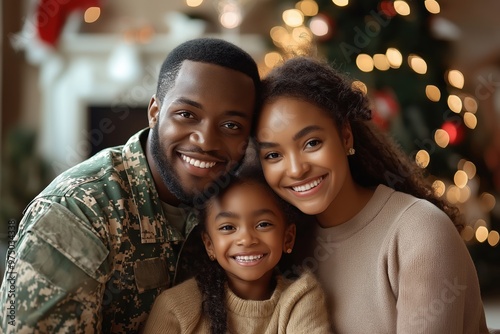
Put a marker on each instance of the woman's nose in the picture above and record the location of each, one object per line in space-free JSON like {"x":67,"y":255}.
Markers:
{"x":296,"y":167}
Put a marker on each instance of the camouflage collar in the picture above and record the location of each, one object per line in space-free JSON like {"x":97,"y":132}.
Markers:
{"x":153,"y":224}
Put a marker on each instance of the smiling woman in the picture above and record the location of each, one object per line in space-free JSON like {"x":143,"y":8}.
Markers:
{"x":384,"y":247}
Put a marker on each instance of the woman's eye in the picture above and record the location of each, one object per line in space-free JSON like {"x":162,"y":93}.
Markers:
{"x":272,"y":155}
{"x":313,"y":143}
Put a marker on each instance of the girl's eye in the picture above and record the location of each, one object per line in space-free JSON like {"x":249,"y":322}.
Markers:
{"x":264,"y":225}
{"x":226,"y":228}
{"x":313,"y":143}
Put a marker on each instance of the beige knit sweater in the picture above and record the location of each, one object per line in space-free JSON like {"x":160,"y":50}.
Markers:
{"x":399,"y":266}
{"x":295,"y":307}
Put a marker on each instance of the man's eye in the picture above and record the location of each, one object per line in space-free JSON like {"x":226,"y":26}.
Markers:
{"x":231,"y":126}
{"x":186,"y":114}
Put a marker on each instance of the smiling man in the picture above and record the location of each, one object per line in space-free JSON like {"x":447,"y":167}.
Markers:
{"x":97,"y":246}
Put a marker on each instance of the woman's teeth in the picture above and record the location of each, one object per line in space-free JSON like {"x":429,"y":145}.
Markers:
{"x":308,"y":186}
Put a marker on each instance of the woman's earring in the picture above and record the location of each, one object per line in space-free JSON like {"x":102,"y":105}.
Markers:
{"x":289,"y":250}
{"x":351,"y":151}
{"x":211,"y":256}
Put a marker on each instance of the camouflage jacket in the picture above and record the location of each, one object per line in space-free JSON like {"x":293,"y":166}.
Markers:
{"x":93,"y":250}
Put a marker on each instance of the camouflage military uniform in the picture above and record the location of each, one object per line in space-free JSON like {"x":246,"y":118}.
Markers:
{"x":93,"y":250}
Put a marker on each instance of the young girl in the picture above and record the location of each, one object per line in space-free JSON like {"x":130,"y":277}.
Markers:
{"x":245,"y":230}
{"x":385,"y":249}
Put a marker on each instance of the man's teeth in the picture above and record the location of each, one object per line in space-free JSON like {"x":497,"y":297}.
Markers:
{"x":248,"y":258}
{"x":308,"y":186}
{"x":198,"y":163}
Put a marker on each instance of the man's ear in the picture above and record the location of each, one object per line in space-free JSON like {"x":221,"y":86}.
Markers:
{"x":289,"y":240}
{"x":153,"y":111}
{"x":209,"y":246}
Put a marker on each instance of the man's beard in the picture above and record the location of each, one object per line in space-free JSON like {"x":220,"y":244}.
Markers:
{"x":166,"y":170}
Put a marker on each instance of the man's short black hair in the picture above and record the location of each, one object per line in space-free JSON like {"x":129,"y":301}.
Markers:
{"x":206,"y":50}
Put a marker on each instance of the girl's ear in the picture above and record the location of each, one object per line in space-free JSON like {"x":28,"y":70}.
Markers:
{"x":153,"y":111}
{"x":289,"y":239}
{"x":209,"y":246}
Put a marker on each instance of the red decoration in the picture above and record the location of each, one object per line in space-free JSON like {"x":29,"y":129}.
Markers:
{"x":455,"y":132}
{"x":385,"y":108}
{"x":387,"y":8}
{"x":51,"y":16}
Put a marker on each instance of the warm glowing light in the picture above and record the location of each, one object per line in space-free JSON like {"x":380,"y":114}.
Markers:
{"x":467,"y":233}
{"x":470,"y":120}
{"x":394,"y":57}
{"x":453,"y":194}
{"x":92,"y":14}
{"x":488,"y":201}
{"x":272,"y":59}
{"x":482,"y":234}
{"x":293,"y":17}
{"x":278,"y":33}
{"x":381,"y":62}
{"x":456,"y":79}
{"x":402,"y":7}
{"x":442,"y":138}
{"x":479,"y":223}
{"x":341,"y":3}
{"x":360,"y":86}
{"x":464,"y":194}
{"x":432,"y":6}
{"x":433,"y":93}
{"x":319,"y":26}
{"x":194,"y":3}
{"x":470,"y":104}
{"x":417,"y":64}
{"x":439,"y":188}
{"x":422,"y":158}
{"x":231,"y":16}
{"x":460,"y":179}
{"x":493,"y":238}
{"x":308,"y":7}
{"x":470,"y":169}
{"x":454,"y":103}
{"x":364,"y":62}
{"x":302,"y":35}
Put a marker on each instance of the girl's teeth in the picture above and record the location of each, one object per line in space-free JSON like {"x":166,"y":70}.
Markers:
{"x":308,"y":186}
{"x":248,"y":258}
{"x":197,"y":163}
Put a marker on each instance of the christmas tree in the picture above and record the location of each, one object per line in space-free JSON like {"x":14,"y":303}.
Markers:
{"x":390,"y":48}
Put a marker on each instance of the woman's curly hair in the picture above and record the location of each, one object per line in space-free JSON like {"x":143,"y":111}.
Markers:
{"x":378,"y":159}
